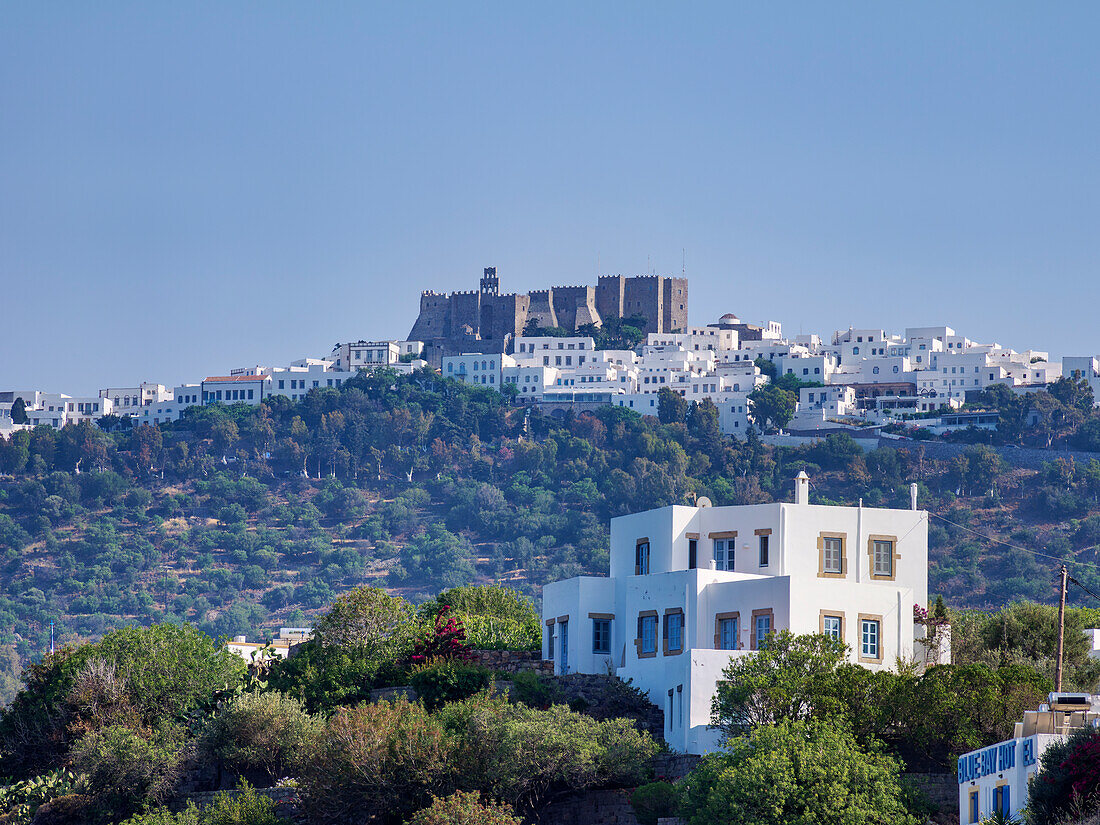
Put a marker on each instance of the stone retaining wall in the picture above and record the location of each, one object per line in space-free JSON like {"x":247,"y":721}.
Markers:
{"x":942,"y":789}
{"x":514,"y":661}
{"x":673,"y":766}
{"x":391,"y":694}
{"x":285,"y":799}
{"x":591,"y":808}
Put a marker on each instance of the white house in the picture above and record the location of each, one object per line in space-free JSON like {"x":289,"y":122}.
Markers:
{"x":995,"y":779}
{"x":478,"y":368}
{"x":369,"y":355}
{"x":691,"y":588}
{"x":130,"y":400}
{"x":280,"y":647}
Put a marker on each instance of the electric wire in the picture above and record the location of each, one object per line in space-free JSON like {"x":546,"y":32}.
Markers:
{"x":1058,"y":559}
{"x":1070,"y":578}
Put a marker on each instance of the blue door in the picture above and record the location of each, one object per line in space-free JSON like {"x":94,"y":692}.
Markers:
{"x":563,"y":648}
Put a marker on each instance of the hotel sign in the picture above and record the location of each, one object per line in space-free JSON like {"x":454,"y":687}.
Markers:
{"x":994,"y":759}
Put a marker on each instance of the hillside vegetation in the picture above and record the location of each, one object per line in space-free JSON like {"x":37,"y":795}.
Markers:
{"x":240,"y":519}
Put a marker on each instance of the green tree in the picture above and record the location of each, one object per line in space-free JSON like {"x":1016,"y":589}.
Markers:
{"x":672,"y":408}
{"x":19,"y":411}
{"x":772,"y":406}
{"x":1073,"y":392}
{"x":369,"y":619}
{"x":791,"y":677}
{"x":766,"y":367}
{"x":807,"y":772}
{"x":495,"y":618}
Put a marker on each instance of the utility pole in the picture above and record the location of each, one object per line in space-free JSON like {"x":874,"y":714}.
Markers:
{"x":1061,"y":629}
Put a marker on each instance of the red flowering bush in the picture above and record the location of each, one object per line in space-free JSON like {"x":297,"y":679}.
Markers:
{"x":1069,"y":782}
{"x":447,"y":641}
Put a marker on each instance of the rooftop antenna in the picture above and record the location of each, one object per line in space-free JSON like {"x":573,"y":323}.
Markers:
{"x":683,"y":262}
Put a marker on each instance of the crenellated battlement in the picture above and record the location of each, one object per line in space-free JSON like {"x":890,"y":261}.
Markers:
{"x":448,"y":320}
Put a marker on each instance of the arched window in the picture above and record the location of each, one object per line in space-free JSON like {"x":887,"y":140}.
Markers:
{"x":855,"y":350}
{"x":875,"y":370}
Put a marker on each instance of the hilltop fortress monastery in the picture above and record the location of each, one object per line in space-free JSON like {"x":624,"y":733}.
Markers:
{"x":485,"y":320}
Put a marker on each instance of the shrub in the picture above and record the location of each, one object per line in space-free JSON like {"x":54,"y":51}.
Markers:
{"x":246,"y":807}
{"x":446,"y":640}
{"x":19,"y":801}
{"x":1068,"y":782}
{"x":124,"y":770}
{"x":326,"y":677}
{"x":519,"y":754}
{"x":795,"y":771}
{"x":168,"y":669}
{"x":383,"y":760}
{"x":265,"y":732}
{"x":534,"y":691}
{"x":445,"y":681}
{"x":655,"y":800}
{"x":163,"y":816}
{"x":461,"y":808}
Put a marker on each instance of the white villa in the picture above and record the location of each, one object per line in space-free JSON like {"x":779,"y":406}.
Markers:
{"x":690,"y":588}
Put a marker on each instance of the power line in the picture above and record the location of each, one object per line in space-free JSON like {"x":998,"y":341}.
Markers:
{"x":1084,"y":588}
{"x":1015,"y":546}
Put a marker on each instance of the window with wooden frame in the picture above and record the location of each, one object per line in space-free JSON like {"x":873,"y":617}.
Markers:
{"x":831,"y":624}
{"x":832,"y":562}
{"x":693,"y":550}
{"x":882,"y":557}
{"x":601,"y":632}
{"x":672,"y":633}
{"x":727,"y":631}
{"x":1002,"y":799}
{"x":763,"y":624}
{"x":870,"y":638}
{"x":725,"y":547}
{"x":641,"y":557}
{"x":764,"y":539}
{"x":646,"y":641}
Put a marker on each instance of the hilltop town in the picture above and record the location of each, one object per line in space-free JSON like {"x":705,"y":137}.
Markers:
{"x":620,"y":343}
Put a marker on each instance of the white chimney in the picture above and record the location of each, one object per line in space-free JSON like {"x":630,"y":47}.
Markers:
{"x":802,"y":488}
{"x":913,"y":496}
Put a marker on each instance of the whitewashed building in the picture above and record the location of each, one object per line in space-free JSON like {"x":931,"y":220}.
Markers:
{"x":486,"y":370}
{"x":368,"y":355}
{"x":995,"y":779}
{"x":691,"y":588}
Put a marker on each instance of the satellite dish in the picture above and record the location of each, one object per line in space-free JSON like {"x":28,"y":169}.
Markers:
{"x":703,"y":501}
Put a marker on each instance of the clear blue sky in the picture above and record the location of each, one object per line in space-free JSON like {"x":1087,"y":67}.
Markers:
{"x":186,"y":188}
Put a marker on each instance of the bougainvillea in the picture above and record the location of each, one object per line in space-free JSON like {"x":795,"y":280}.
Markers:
{"x":446,"y":643}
